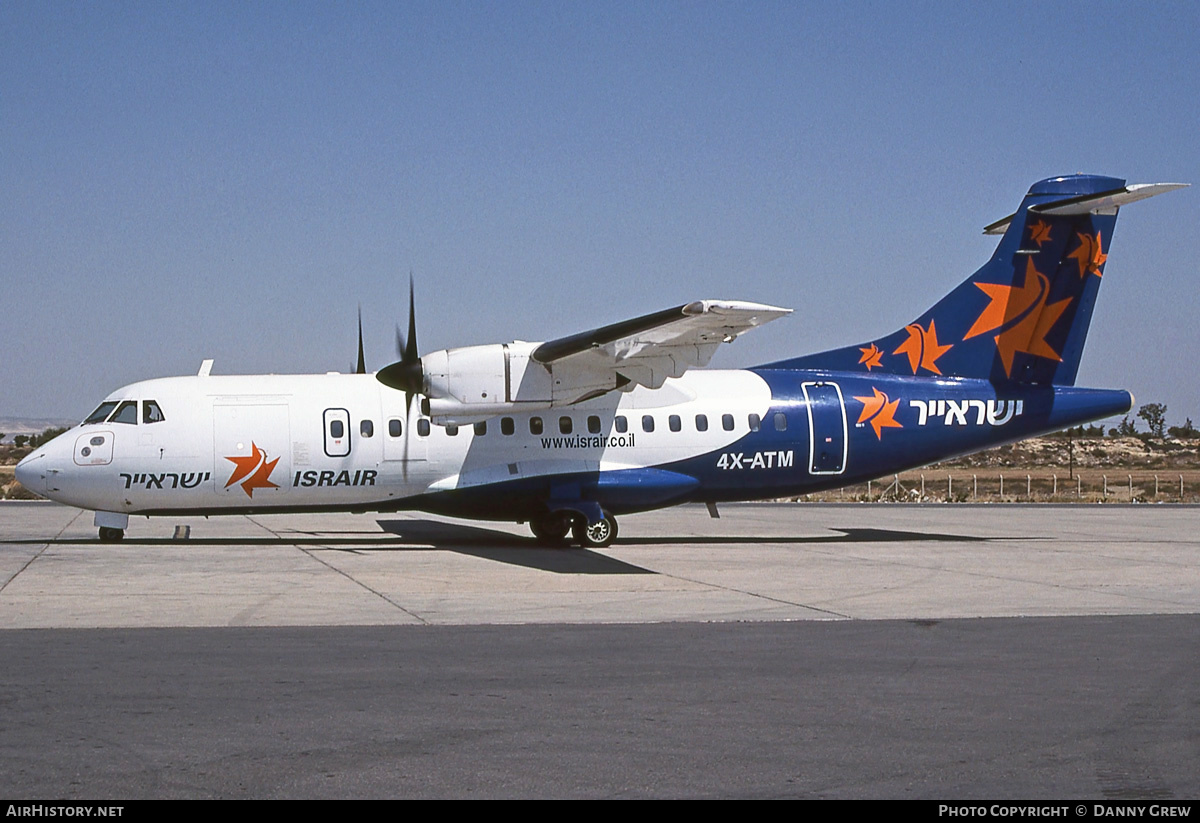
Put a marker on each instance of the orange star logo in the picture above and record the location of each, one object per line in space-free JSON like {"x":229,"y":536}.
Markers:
{"x":1021,"y":314}
{"x":254,"y":471}
{"x":922,"y":347}
{"x":872,"y":356}
{"x":1090,"y":255}
{"x":1039,"y":232}
{"x":879,"y":411}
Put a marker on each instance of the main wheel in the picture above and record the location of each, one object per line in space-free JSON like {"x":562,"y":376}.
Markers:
{"x":551,"y":528}
{"x":110,"y":535}
{"x":598,"y":535}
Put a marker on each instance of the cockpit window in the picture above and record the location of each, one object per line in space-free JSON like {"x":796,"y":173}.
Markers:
{"x":102,"y":412}
{"x":125,"y":413}
{"x":151,"y":413}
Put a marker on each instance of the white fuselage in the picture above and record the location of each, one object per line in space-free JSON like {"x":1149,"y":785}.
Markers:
{"x":345,"y":441}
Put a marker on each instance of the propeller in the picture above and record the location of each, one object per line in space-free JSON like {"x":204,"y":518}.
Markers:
{"x":407,"y":374}
{"x":362,"y":361}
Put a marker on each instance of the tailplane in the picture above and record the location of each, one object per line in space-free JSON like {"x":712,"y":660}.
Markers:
{"x":1023,"y":317}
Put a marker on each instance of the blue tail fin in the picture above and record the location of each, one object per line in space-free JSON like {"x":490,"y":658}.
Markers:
{"x":1023,"y":317}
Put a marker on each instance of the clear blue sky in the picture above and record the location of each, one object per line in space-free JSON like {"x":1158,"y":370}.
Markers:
{"x":230,"y":180}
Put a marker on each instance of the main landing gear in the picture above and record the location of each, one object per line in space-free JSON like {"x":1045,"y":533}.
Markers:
{"x":551,"y":530}
{"x":110,"y":535}
{"x":598,"y":535}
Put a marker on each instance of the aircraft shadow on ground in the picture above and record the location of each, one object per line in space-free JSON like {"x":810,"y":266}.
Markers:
{"x":843,"y":536}
{"x":516,"y":550}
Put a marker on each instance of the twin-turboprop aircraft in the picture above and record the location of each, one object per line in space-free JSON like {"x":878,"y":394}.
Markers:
{"x":568,"y":434}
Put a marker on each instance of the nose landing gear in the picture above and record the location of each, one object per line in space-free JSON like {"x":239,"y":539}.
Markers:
{"x":112,"y":526}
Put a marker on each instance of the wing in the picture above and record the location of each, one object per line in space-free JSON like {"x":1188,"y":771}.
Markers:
{"x":646,"y":350}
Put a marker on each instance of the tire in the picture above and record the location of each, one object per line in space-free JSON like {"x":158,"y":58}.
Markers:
{"x":551,"y":529}
{"x":110,"y":535}
{"x":598,"y":535}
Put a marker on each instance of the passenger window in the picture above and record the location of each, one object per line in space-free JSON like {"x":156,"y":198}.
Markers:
{"x":506,"y":426}
{"x":647,"y":423}
{"x":366,"y":428}
{"x":675,"y":423}
{"x":727,"y":422}
{"x":535,"y":425}
{"x":701,"y":423}
{"x":621,"y":423}
{"x":755,"y":422}
{"x":451,"y":430}
{"x":336,"y":429}
{"x":481,"y":428}
{"x":126,"y":413}
{"x":564,"y":425}
{"x":423,"y":426}
{"x":394,"y":428}
{"x":151,"y":413}
{"x":593,"y":424}
{"x":102,"y":412}
{"x":780,"y":422}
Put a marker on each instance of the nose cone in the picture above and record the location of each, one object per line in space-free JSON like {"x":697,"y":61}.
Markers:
{"x":27,"y":473}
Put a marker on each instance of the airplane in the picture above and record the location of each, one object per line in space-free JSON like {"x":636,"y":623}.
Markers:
{"x":568,"y":434}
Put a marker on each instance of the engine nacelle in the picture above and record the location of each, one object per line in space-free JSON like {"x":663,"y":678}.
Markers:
{"x":476,"y":382}
{"x":473,"y":375}
{"x":473,"y":383}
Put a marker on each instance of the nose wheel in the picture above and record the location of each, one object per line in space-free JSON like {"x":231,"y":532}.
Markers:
{"x":110,"y":535}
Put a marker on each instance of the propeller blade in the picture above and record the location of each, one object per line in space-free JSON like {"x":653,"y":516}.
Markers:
{"x":410,"y":350}
{"x":362,"y":362}
{"x":410,"y":356}
{"x":407,"y":435}
{"x":407,"y":374}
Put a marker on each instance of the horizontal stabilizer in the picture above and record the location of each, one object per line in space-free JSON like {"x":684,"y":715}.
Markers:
{"x":1102,"y":203}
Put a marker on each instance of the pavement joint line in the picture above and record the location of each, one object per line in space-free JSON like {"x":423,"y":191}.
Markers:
{"x":41,"y":551}
{"x":264,"y":527}
{"x":758,"y":596}
{"x":310,"y":552}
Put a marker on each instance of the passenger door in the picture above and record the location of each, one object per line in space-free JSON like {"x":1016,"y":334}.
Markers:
{"x":826,"y":428}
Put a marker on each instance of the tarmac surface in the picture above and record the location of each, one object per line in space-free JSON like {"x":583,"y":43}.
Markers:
{"x":935,"y":651}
